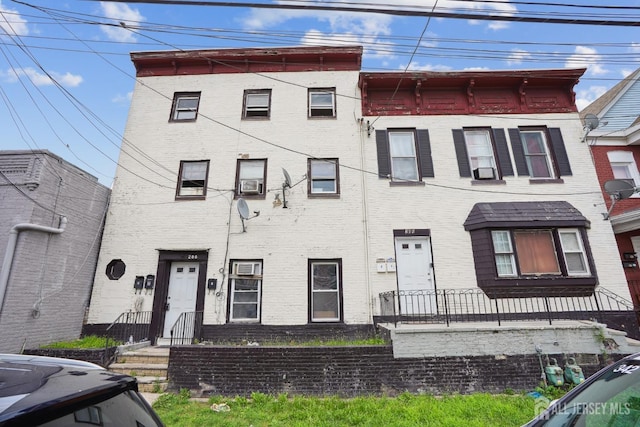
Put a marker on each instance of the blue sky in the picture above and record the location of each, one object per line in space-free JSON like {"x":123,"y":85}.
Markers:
{"x":66,"y":77}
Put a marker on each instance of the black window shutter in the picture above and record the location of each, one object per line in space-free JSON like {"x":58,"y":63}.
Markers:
{"x":382,"y":146}
{"x":506,"y":168}
{"x":518,"y":152}
{"x":557,"y":144}
{"x":461,"y":153}
{"x":424,"y":149}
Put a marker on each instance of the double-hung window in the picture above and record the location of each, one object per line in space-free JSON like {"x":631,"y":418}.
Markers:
{"x":402,"y":149}
{"x":325,"y":290}
{"x":537,"y":154}
{"x":539,"y":252}
{"x":192,"y":179}
{"x":324,"y":178}
{"x":246,"y":291}
{"x":251,"y":178}
{"x":404,"y":155}
{"x":185,"y":106}
{"x":257,"y":104}
{"x":322,"y":102}
{"x":482,"y":154}
{"x":623,"y":166}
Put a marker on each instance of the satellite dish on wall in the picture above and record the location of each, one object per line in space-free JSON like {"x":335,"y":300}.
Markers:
{"x":591,"y":121}
{"x":243,"y":209}
{"x":286,"y":184}
{"x":618,"y":189}
{"x":287,"y":178}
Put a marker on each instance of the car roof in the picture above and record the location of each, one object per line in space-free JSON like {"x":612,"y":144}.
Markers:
{"x":48,"y":384}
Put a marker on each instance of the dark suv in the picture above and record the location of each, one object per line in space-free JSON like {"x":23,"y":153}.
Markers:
{"x":52,"y":392}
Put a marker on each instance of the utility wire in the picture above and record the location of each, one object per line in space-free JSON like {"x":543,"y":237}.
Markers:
{"x":549,"y":19}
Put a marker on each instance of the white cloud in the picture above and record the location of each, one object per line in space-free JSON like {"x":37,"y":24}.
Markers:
{"x":586,"y":57}
{"x":121,"y":13}
{"x":586,"y":96}
{"x":415,"y":66}
{"x":120,"y":98}
{"x":11,"y":22}
{"x":517,"y":56}
{"x":41,"y":79}
{"x":372,"y":23}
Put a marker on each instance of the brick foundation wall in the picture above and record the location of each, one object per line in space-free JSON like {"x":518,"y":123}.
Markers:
{"x":350,"y":371}
{"x":96,"y":356}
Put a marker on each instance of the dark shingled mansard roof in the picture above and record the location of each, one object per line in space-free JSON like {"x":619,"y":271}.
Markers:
{"x":524,"y":214}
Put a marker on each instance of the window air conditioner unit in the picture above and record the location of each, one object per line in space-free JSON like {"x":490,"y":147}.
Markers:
{"x":250,"y":186}
{"x":247,"y":269}
{"x":484,"y":173}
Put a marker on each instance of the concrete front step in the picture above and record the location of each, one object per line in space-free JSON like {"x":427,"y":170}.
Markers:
{"x":147,"y":384}
{"x":141,"y":369}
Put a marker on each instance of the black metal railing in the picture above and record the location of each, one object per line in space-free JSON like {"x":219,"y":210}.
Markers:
{"x":447,"y":306}
{"x":187,"y":329}
{"x":129,"y":327}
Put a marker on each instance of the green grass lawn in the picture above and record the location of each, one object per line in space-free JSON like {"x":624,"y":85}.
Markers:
{"x":477,"y":410}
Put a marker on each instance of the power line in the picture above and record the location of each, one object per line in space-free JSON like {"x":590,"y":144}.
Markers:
{"x":549,"y":19}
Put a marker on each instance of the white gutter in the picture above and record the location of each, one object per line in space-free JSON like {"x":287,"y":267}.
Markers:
{"x":11,"y":248}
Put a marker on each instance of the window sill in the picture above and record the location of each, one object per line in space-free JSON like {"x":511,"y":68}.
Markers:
{"x":250,"y":196}
{"x":182,"y":121}
{"x":257,"y":118}
{"x":406,"y":184}
{"x":323,"y":196}
{"x":546,"y":181}
{"x":488,"y":182}
{"x":321,"y":117}
{"x":184,"y":198}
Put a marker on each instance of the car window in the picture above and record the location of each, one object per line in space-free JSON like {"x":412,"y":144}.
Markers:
{"x":125,"y":409}
{"x":611,"y":401}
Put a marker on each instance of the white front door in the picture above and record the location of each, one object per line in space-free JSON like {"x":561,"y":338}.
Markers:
{"x":414,"y":270}
{"x":183,"y":287}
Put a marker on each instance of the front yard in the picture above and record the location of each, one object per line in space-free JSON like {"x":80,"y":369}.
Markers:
{"x":477,"y":410}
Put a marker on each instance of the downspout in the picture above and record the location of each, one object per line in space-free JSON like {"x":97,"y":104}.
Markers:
{"x":11,"y":248}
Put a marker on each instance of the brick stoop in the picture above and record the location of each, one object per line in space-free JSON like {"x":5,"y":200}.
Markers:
{"x":149,"y":365}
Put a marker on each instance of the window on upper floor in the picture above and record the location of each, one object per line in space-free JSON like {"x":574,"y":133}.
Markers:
{"x":325,"y":290}
{"x":192,"y":179}
{"x":257,"y":104}
{"x":185,"y":106}
{"x":404,"y":155}
{"x":540,"y":153}
{"x":623,"y":166}
{"x":482,"y":153}
{"x":322,"y":102}
{"x":324,"y":179}
{"x":251,"y":178}
{"x":245,"y":296}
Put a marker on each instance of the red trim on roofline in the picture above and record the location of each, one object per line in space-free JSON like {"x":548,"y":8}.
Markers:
{"x":247,"y":60}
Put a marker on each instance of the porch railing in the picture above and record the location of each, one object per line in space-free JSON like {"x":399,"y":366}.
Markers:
{"x":187,"y":329}
{"x":447,"y":306}
{"x":130,"y":326}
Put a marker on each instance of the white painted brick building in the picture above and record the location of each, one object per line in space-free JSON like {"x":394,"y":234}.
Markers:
{"x":380,"y":197}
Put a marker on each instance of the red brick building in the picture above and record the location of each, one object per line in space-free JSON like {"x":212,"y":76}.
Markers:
{"x":612,"y":130}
